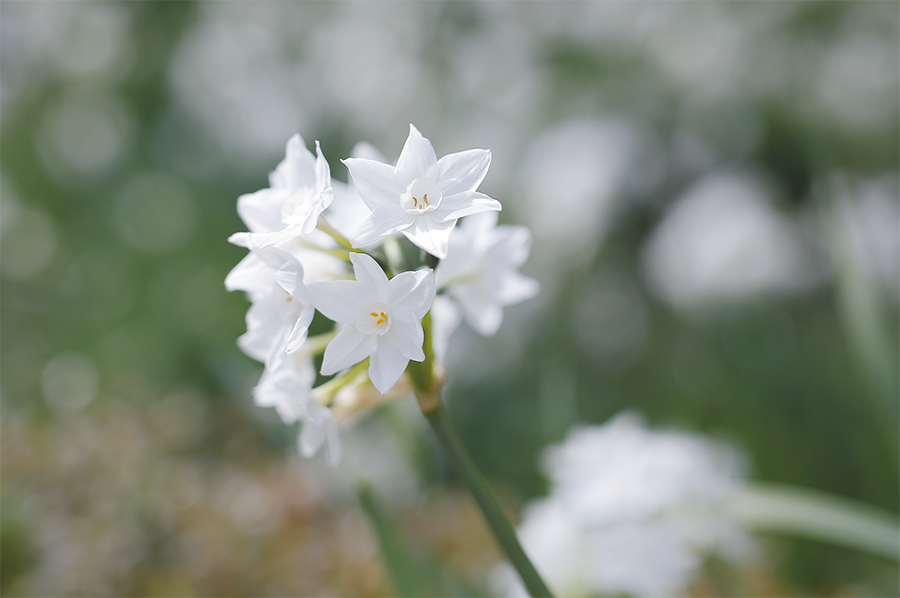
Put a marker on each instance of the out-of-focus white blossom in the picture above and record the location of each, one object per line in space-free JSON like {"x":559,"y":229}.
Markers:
{"x":481,"y":270}
{"x":631,"y":511}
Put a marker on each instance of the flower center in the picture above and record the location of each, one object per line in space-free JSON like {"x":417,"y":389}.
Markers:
{"x":374,"y":318}
{"x":421,"y":196}
{"x":298,"y":205}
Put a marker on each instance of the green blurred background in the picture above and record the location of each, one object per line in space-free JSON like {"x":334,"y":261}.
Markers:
{"x":713,"y":191}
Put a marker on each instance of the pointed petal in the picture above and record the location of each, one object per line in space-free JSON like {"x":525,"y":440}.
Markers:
{"x":462,"y":171}
{"x":374,"y":281}
{"x":374,"y":181}
{"x":407,"y":336}
{"x":412,"y":292}
{"x":348,"y":347}
{"x":430,"y":235}
{"x":516,"y":288}
{"x":417,"y":159}
{"x":323,"y":171}
{"x":456,"y":206}
{"x":384,"y":220}
{"x":338,"y":300}
{"x":299,"y":165}
{"x":386,"y":366}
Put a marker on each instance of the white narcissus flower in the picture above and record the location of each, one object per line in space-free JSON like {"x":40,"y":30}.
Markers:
{"x":481,"y":270}
{"x":279,"y":317}
{"x":381,"y":319}
{"x":299,"y":191}
{"x":422,"y":197}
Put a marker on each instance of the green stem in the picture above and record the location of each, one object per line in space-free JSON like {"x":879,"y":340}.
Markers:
{"x":493,"y":514}
{"x":427,"y":389}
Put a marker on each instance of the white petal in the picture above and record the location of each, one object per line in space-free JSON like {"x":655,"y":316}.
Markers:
{"x":348,"y":347}
{"x":333,"y":441}
{"x":374,"y":181}
{"x":298,"y":333}
{"x":261,"y":211}
{"x":384,"y":220}
{"x":417,"y":159}
{"x":412,"y":292}
{"x":407,"y":337}
{"x":250,"y":275}
{"x":484,"y":318}
{"x":467,"y":203}
{"x":299,"y":165}
{"x":369,"y":274}
{"x":515,"y":288}
{"x":323,"y":172}
{"x":386,"y":366}
{"x":240,"y":239}
{"x":430,"y":235}
{"x":290,"y":278}
{"x":338,"y":300}
{"x":462,"y":171}
{"x":310,"y":438}
{"x":445,"y":319}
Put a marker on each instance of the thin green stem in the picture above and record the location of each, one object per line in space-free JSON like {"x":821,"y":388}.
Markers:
{"x":493,"y":514}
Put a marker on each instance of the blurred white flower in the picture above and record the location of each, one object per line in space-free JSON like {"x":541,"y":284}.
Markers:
{"x":723,"y":240}
{"x":481,"y":270}
{"x":399,"y":195}
{"x":381,"y":317}
{"x":630,"y":511}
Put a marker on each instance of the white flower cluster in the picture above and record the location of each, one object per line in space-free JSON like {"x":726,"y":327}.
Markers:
{"x":630,"y":512}
{"x":307,"y":231}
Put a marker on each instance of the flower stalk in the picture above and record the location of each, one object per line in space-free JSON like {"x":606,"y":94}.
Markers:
{"x":427,"y":390}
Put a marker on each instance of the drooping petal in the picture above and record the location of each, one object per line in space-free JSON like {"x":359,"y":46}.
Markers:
{"x":386,"y":365}
{"x":485,"y":318}
{"x":456,"y":206}
{"x":348,"y":347}
{"x":338,"y":300}
{"x":412,"y":292}
{"x":290,"y":278}
{"x":384,"y":220}
{"x":430,"y":235}
{"x":374,"y":181}
{"x":374,"y":282}
{"x":298,"y":333}
{"x":462,"y":171}
{"x":445,"y":319}
{"x":417,"y":159}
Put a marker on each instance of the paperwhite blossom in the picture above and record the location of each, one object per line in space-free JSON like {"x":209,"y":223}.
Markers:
{"x":300,"y":189}
{"x":381,"y":317}
{"x":299,"y":261}
{"x":481,"y":270}
{"x":421,"y":197}
{"x":630,"y":511}
{"x":279,"y":318}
